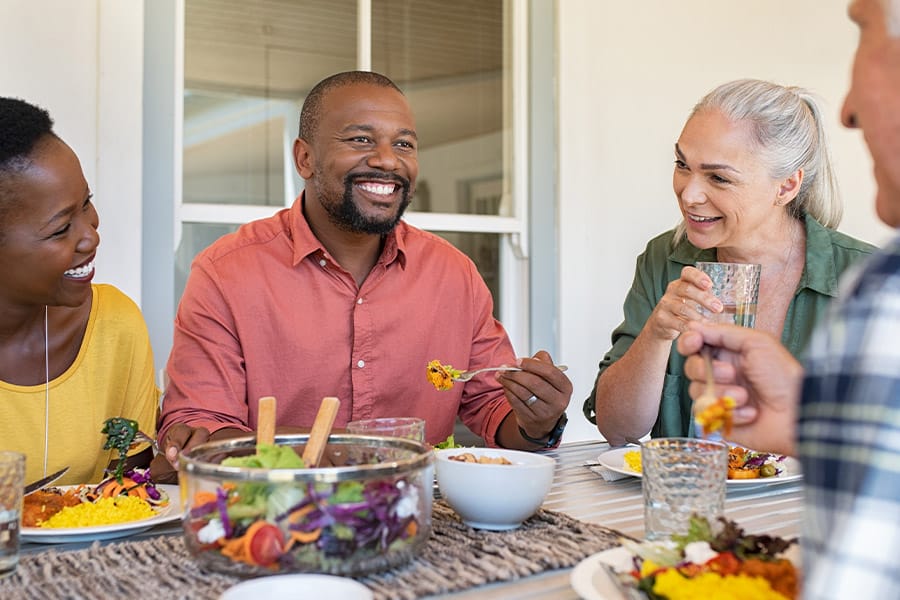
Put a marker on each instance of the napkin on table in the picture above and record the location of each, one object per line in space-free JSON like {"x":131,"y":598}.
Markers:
{"x":606,"y":474}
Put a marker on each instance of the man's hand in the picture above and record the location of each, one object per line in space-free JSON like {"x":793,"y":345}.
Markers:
{"x":180,"y":437}
{"x":538,"y":394}
{"x":761,"y":375}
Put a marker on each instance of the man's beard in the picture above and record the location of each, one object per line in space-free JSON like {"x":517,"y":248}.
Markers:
{"x":348,"y":217}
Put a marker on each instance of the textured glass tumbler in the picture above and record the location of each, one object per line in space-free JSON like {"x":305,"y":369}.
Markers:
{"x":12,"y":483}
{"x":682,"y":477}
{"x":737,"y":286}
{"x":402,"y":427}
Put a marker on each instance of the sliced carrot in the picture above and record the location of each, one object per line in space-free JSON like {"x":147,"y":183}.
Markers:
{"x":300,"y":513}
{"x":305,"y":537}
{"x":412,"y":528}
{"x":137,"y":490}
{"x":112,"y":490}
{"x":235,"y":549}
{"x":203,"y":497}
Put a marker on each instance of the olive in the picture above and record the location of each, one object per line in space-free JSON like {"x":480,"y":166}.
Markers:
{"x":768,"y":470}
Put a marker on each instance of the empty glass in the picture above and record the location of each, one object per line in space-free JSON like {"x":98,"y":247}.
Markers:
{"x":682,"y":477}
{"x":402,"y":427}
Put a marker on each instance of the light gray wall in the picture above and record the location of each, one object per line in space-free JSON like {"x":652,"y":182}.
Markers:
{"x":82,"y":61}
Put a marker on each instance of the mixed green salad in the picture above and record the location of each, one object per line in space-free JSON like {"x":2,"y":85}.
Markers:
{"x":327,"y":527}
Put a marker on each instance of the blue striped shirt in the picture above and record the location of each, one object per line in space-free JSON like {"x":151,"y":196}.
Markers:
{"x":849,"y":439}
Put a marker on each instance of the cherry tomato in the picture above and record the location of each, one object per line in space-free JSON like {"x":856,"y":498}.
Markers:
{"x":266,"y":545}
{"x":726,"y":563}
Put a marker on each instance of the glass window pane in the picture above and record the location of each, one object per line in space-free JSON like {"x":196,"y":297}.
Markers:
{"x":248,"y":64}
{"x":484,"y":250}
{"x":233,"y":151}
{"x":448,"y":57}
{"x":194,"y":238}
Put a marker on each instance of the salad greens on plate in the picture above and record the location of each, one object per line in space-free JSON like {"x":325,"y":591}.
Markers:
{"x":707,"y":563}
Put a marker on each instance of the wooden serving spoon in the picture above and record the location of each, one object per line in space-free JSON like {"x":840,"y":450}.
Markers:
{"x":321,"y":429}
{"x":265,"y":421}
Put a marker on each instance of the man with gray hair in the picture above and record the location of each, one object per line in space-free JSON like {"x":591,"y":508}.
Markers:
{"x":840,"y":410}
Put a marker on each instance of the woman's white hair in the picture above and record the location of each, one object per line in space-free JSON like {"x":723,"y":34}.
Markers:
{"x":786,"y":126}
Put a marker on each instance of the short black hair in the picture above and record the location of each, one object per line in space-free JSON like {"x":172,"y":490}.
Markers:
{"x":22,"y":127}
{"x":311,"y":113}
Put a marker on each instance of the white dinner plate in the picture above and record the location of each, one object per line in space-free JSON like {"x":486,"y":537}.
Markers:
{"x":165,"y":514}
{"x":614,"y":460}
{"x":282,"y":587}
{"x":591,"y":582}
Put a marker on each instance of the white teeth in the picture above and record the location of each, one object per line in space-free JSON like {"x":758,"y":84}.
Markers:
{"x":382,"y":189}
{"x":703,"y":219}
{"x":82,"y":271}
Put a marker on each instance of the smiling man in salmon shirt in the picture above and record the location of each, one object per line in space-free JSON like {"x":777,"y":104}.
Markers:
{"x":337,"y":296}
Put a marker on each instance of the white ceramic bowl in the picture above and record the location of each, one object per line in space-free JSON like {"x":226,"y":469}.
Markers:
{"x":283,"y":587}
{"x":495,"y":497}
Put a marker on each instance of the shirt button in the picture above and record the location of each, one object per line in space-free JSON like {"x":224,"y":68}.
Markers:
{"x":322,"y":262}
{"x":359,"y":301}
{"x":361,"y":364}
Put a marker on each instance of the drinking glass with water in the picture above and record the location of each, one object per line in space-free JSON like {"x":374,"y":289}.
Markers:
{"x":12,"y":483}
{"x":737,"y":286}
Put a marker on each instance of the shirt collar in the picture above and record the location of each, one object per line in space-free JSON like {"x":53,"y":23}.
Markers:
{"x":819,"y":271}
{"x":307,"y":244}
{"x":820,"y":274}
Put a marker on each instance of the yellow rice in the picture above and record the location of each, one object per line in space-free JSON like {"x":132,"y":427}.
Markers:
{"x":106,"y":511}
{"x":633,"y":460}
{"x":674,"y":586}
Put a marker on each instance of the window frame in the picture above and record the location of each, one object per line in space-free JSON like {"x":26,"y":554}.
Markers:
{"x":162,"y":225}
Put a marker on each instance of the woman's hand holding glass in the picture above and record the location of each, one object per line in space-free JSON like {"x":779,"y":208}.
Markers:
{"x":680,"y":303}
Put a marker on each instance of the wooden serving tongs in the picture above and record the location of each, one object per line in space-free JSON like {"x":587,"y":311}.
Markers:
{"x":321,"y":429}
{"x":318,"y":435}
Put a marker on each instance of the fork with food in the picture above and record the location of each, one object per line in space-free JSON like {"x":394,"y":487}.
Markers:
{"x":442,"y":376}
{"x":713,"y":414}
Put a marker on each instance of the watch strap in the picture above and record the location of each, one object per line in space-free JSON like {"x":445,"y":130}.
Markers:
{"x":552,"y":438}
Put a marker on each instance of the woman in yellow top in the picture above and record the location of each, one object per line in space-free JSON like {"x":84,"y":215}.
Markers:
{"x":72,"y":354}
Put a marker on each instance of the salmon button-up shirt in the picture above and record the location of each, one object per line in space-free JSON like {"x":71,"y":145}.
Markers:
{"x":268,"y":312}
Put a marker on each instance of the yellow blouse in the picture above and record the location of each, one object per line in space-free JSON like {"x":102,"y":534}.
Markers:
{"x":112,"y":376}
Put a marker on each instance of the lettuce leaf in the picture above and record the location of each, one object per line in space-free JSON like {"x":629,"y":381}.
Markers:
{"x":268,"y":456}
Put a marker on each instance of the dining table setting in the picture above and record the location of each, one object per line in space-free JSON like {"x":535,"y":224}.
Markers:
{"x":592,"y":503}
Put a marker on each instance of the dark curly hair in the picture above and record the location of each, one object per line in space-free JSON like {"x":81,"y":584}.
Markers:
{"x":311,"y":113}
{"x":22,"y":126}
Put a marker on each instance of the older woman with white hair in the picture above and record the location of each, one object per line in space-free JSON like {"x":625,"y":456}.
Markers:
{"x":754,"y":183}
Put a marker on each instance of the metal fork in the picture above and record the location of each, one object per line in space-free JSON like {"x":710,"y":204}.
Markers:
{"x":628,"y":592}
{"x":467,"y":375}
{"x":141,"y":437}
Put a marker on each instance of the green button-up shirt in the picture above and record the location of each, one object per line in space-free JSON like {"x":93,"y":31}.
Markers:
{"x":828,"y":254}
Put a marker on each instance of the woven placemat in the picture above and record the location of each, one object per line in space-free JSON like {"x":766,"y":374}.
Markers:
{"x":455,"y":558}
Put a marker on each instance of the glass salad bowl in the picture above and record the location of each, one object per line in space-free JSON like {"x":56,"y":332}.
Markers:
{"x":369,"y":510}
